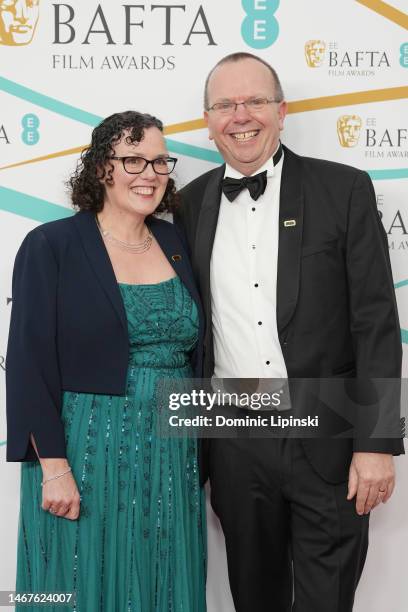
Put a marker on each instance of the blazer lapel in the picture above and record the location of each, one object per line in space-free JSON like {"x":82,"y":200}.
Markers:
{"x":290,"y":238}
{"x":172,"y":246}
{"x":170,"y":242}
{"x":99,"y":259}
{"x":206,"y":227}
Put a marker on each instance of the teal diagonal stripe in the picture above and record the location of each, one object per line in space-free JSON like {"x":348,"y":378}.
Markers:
{"x":77,"y":114}
{"x":192,"y":151}
{"x":404,"y":332}
{"x":402,"y":283}
{"x":30,"y":207}
{"x":388,"y":174}
{"x":65,"y":110}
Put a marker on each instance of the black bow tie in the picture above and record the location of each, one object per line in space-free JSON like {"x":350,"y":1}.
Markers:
{"x":256,"y":185}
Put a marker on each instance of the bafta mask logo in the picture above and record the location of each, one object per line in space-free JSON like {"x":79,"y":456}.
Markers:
{"x":18,"y":21}
{"x":314,"y":52}
{"x":348,"y":130}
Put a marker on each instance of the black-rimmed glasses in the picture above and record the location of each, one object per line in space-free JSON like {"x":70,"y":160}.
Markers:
{"x":137,"y":165}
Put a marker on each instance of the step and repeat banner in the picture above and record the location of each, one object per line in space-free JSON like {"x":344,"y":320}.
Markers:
{"x":344,"y":69}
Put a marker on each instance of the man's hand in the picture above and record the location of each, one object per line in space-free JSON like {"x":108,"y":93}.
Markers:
{"x":371,"y":479}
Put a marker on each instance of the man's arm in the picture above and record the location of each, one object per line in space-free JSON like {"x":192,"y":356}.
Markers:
{"x":376,"y":338}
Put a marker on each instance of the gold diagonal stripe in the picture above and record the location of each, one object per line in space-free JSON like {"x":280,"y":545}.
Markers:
{"x":299,"y":106}
{"x":186,"y":126}
{"x":386,"y":10}
{"x":64,"y":153}
{"x":359,"y":97}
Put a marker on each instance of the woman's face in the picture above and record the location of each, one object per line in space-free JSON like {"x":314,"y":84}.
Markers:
{"x":138,"y":193}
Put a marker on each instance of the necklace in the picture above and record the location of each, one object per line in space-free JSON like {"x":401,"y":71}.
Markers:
{"x":132,"y":247}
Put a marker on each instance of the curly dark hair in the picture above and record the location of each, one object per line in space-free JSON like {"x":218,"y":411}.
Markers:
{"x":87,"y":190}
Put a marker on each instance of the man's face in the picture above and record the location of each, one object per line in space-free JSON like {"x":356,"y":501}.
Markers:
{"x":246,"y":139}
{"x":18,"y":20}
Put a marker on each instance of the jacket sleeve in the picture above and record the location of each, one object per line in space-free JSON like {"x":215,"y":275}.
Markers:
{"x":373,"y":310}
{"x":33,"y":387}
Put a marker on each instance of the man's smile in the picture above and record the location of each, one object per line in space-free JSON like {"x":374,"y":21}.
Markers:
{"x":244,"y":136}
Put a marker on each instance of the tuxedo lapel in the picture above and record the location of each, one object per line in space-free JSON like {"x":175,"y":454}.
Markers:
{"x":206,"y":227}
{"x":99,"y":259}
{"x":290,"y":238}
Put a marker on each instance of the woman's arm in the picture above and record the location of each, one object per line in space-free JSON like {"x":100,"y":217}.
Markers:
{"x":33,"y":386}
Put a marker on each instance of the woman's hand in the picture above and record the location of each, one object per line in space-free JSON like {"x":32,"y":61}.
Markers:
{"x":61,"y":495}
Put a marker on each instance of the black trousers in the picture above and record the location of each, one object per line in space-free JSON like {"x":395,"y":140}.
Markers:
{"x":287,"y":531}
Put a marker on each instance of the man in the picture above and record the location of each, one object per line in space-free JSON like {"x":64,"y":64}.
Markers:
{"x":295,"y":279}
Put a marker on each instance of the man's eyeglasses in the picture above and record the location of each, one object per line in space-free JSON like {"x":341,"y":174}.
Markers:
{"x":252,"y":105}
{"x":137,"y":165}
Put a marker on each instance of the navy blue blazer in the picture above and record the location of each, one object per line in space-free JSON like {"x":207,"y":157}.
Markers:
{"x":68,"y":329}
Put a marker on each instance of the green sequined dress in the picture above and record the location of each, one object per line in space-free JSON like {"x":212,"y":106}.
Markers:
{"x":139,"y":544}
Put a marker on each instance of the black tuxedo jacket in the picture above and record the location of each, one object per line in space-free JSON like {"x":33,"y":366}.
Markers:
{"x":336,"y":308}
{"x":68,"y":329}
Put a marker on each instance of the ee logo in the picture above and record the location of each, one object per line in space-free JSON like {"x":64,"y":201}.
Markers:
{"x":260,"y":28}
{"x":404,"y":55}
{"x":30,"y":134}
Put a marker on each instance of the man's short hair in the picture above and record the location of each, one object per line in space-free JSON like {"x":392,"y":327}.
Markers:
{"x":237,"y":57}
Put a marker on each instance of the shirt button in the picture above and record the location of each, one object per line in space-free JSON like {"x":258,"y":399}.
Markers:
{"x":253,"y":246}
{"x":268,"y":363}
{"x":256,"y":285}
{"x":253,"y":209}
{"x":259,"y":322}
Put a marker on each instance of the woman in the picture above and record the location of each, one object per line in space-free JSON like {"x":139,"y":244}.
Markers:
{"x":104,"y":305}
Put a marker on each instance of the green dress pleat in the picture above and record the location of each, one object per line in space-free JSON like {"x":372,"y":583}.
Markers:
{"x":139,"y":544}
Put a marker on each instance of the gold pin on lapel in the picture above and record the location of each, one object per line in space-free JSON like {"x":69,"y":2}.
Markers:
{"x":176,"y":257}
{"x":289,"y":223}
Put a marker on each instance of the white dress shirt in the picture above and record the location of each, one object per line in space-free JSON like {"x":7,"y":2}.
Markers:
{"x":243,"y":274}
